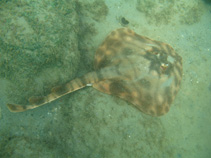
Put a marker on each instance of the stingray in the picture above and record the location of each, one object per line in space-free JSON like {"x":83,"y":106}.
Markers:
{"x":144,"y":72}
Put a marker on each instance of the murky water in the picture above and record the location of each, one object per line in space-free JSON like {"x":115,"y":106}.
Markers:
{"x":47,"y":43}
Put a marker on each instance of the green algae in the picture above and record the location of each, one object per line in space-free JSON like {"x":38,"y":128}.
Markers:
{"x":96,"y":10}
{"x":39,"y":46}
{"x":32,"y":147}
{"x":164,"y":12}
{"x":90,"y":14}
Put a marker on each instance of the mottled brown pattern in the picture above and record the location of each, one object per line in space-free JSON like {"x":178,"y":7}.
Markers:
{"x":142,"y":71}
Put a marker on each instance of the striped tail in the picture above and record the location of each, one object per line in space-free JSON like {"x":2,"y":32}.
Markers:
{"x":58,"y":92}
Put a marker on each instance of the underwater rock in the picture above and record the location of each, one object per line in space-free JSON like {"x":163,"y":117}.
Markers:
{"x":22,"y":147}
{"x":171,"y":12}
{"x":96,"y":10}
{"x":39,"y":45}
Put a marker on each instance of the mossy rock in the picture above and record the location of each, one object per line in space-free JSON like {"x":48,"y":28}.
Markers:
{"x":162,"y":12}
{"x":39,"y":46}
{"x":22,"y":147}
{"x":94,"y":9}
{"x":91,"y":13}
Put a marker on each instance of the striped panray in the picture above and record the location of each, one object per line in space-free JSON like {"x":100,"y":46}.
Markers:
{"x":142,"y":71}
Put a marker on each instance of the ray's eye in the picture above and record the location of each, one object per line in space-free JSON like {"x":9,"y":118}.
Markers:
{"x":164,"y":66}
